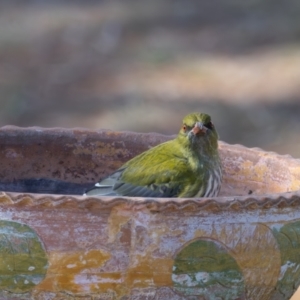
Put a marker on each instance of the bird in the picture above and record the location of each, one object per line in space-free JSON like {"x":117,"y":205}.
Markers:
{"x":186,"y":167}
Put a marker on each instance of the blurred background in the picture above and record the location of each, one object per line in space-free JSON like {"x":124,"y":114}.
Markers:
{"x":142,"y":65}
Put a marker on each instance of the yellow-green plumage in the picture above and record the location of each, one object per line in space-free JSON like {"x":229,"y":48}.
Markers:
{"x":188,"y":166}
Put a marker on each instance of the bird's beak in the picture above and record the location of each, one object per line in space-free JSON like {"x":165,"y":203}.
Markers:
{"x":199,"y":128}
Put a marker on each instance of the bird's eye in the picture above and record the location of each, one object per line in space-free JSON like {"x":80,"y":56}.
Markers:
{"x":184,"y":128}
{"x":209,"y":125}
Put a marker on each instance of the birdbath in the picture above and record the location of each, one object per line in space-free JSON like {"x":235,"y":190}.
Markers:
{"x":57,"y":244}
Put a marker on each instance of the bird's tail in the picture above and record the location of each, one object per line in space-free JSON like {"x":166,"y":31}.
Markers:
{"x":104,"y":188}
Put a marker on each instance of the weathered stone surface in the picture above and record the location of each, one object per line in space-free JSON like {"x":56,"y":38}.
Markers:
{"x":240,"y":245}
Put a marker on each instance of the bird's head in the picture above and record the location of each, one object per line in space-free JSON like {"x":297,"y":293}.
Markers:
{"x":198,"y":130}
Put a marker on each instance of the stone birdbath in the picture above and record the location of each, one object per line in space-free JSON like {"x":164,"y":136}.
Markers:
{"x":57,"y":244}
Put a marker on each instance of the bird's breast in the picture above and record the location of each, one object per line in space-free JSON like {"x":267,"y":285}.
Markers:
{"x":211,"y":185}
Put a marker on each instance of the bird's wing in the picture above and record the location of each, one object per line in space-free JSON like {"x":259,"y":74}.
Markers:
{"x":150,"y":183}
{"x":153,"y":173}
{"x":152,"y":190}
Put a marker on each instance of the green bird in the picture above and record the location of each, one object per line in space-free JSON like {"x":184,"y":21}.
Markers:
{"x":188,"y":166}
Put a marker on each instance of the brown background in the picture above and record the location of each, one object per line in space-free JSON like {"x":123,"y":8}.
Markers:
{"x":142,"y":65}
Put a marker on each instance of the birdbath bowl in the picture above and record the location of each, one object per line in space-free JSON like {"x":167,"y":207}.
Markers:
{"x":57,"y":244}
